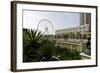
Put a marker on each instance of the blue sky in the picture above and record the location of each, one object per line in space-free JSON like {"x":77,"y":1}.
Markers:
{"x":59,"y":20}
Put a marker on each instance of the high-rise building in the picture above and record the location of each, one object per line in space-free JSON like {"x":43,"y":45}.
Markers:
{"x":85,"y":18}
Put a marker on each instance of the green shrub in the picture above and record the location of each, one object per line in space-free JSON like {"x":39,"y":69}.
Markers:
{"x":36,"y":49}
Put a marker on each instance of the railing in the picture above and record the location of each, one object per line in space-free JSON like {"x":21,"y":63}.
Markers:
{"x":71,"y":46}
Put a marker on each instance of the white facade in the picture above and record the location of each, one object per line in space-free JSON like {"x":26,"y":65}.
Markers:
{"x":81,"y":28}
{"x":85,"y":22}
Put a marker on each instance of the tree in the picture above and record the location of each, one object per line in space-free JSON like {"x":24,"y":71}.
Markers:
{"x":84,"y":36}
{"x":88,"y":44}
{"x":31,"y":42}
{"x":78,"y":35}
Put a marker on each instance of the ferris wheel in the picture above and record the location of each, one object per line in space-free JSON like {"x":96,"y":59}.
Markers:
{"x":46,"y":27}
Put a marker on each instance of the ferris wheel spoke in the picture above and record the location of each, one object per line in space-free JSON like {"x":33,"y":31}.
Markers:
{"x":46,"y":27}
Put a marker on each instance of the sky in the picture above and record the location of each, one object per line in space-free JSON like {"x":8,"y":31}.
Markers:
{"x":49,"y":21}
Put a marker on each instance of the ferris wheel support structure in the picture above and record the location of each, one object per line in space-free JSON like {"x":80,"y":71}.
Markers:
{"x":46,"y":28}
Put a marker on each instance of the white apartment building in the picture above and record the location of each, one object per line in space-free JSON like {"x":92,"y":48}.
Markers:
{"x":85,"y":25}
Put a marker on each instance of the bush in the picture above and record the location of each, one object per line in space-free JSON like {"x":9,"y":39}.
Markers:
{"x":36,"y":49}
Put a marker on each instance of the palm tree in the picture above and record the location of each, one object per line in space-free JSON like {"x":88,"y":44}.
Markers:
{"x":65,"y":36}
{"x":31,"y":42}
{"x":84,"y":35}
{"x":78,"y":35}
{"x":73,"y":35}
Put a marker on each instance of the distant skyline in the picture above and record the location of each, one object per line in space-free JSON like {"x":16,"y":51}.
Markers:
{"x":59,"y":20}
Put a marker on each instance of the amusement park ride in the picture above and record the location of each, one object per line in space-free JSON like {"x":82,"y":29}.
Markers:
{"x":46,"y":27}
